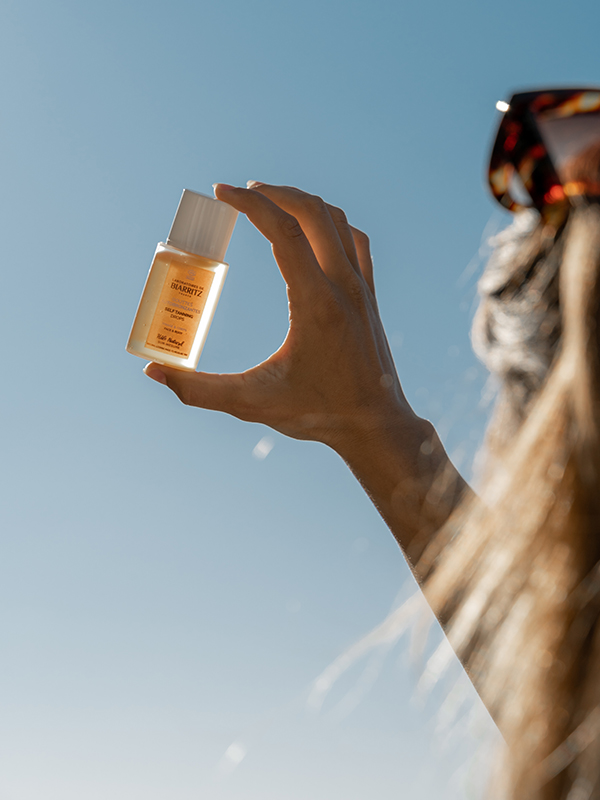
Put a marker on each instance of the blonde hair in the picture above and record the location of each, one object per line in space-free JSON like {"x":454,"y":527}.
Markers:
{"x":514,"y":574}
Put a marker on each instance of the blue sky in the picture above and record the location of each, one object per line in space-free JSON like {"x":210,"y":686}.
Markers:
{"x":164,"y":593}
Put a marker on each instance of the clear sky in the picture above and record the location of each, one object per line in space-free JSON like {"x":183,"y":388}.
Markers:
{"x":168,"y":598}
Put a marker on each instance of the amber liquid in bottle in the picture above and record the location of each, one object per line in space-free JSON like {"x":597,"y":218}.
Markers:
{"x":177,"y":306}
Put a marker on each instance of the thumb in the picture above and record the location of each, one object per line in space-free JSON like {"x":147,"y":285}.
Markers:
{"x":201,"y":389}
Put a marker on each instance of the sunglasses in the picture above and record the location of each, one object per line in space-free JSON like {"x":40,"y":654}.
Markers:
{"x":547,"y":151}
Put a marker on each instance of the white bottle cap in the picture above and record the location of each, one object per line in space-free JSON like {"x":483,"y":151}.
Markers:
{"x":202,"y":225}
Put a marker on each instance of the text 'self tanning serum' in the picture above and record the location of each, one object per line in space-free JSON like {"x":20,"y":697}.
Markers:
{"x":184,"y":284}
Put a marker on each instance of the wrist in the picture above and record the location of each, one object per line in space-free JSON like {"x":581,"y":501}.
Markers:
{"x":403,"y":466}
{"x":394,"y":430}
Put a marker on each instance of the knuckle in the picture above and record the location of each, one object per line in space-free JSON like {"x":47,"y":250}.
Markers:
{"x":338,"y":215}
{"x":356,"y":291}
{"x":315,"y":204}
{"x":361,"y":237}
{"x":290,"y":227}
{"x":185,"y":393}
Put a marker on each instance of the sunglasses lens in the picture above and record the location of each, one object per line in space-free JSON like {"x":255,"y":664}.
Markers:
{"x":574,"y":147}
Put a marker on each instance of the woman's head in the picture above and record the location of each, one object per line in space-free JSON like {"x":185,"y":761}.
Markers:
{"x":516,"y":573}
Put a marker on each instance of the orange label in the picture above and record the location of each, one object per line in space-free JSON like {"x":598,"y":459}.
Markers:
{"x":179,"y":309}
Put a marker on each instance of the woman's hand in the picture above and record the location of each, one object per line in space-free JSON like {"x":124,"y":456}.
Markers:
{"x":333,"y":379}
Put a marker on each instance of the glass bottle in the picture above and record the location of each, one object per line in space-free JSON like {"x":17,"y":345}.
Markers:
{"x":184,"y":284}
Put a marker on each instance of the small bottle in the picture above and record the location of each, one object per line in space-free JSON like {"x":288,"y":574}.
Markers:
{"x":184,"y":284}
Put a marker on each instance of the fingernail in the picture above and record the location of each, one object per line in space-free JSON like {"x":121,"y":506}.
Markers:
{"x":253,"y":184}
{"x":155,"y":373}
{"x":223,"y":187}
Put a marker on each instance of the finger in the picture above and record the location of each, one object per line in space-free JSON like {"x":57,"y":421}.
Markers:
{"x":201,"y":389}
{"x":346,"y":234}
{"x":365,"y":261}
{"x":340,"y":220}
{"x":313,"y":215}
{"x":293,"y":253}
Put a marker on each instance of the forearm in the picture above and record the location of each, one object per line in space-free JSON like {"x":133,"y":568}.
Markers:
{"x":406,"y":472}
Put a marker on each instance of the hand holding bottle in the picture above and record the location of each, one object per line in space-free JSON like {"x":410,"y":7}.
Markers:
{"x":333,"y":379}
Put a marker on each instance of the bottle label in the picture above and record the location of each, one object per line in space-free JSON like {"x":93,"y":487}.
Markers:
{"x":179,"y":309}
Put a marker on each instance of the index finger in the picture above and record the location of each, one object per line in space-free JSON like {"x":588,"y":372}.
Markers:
{"x":293,"y":253}
{"x":313,"y":214}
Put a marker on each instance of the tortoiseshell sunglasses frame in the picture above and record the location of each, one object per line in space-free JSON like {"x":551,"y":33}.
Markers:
{"x":519,"y":147}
